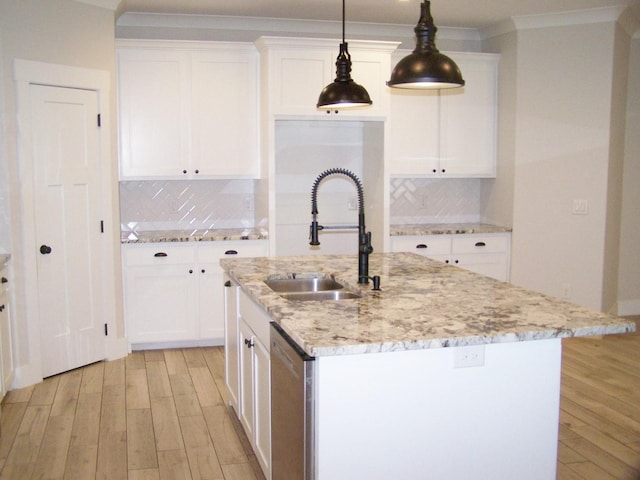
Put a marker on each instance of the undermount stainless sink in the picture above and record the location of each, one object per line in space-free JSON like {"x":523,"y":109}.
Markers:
{"x":320,"y":296}
{"x":310,"y":288}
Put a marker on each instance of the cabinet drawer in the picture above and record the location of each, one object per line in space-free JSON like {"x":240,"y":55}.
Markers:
{"x":423,"y":244}
{"x":480,"y":243}
{"x":158,"y":254}
{"x":212,"y":252}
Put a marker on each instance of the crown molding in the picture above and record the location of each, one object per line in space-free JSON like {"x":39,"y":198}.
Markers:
{"x":108,"y":4}
{"x":255,"y":27}
{"x":624,"y":16}
{"x":577,"y":17}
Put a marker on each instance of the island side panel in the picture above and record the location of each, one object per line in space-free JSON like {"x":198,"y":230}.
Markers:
{"x":414,"y":415}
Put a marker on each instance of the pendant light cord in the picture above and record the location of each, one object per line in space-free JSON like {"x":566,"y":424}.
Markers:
{"x":343,"y":14}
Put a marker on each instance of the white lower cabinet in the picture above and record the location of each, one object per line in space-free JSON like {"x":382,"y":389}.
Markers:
{"x":172,"y":292}
{"x":486,"y":254}
{"x":253,"y":375}
{"x":6,"y":347}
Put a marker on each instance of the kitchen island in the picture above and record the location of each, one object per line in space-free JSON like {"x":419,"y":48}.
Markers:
{"x":441,"y":374}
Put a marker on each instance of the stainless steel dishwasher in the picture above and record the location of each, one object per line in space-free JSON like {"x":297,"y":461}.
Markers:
{"x":292,"y":409}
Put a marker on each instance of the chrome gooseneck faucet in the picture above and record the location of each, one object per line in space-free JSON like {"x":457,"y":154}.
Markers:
{"x":364,"y":237}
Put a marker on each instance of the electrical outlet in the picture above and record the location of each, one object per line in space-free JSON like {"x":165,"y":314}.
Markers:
{"x":580,"y":207}
{"x":472,"y":356}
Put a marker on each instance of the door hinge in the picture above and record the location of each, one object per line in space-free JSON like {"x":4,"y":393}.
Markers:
{"x":106,"y":330}
{"x":99,"y":120}
{"x":101,"y":226}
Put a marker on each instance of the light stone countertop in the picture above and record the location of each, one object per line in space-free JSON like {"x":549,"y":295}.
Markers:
{"x":445,"y":229}
{"x":214,"y":235}
{"x":422,"y":304}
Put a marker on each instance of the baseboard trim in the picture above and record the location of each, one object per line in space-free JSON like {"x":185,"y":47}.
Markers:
{"x":178,"y":344}
{"x":628,"y":307}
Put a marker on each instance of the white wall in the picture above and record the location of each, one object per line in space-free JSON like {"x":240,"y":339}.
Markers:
{"x":60,"y":32}
{"x":563,"y":153}
{"x":629,"y":274}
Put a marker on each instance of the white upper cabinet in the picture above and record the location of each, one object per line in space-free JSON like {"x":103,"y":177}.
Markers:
{"x":448,"y":132}
{"x":188,"y":109}
{"x":294,"y":72}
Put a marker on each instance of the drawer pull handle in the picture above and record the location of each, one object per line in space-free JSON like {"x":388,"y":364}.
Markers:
{"x":421,"y":245}
{"x":231,"y":252}
{"x":481,"y":244}
{"x":160,"y":254}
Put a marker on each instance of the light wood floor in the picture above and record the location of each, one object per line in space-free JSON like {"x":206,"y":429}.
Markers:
{"x":161,"y":415}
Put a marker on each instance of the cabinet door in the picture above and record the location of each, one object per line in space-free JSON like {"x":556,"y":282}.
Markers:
{"x":262,"y":405}
{"x":224,"y":120}
{"x":414,"y":132}
{"x":160,"y":303}
{"x":153,"y":111}
{"x":296,"y":77}
{"x":210,"y":302}
{"x":6,"y":347}
{"x":246,"y":412}
{"x":469,"y":119}
{"x":231,"y":342}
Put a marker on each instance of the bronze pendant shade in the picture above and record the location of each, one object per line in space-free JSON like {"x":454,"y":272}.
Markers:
{"x":426,"y":67}
{"x":343,"y":92}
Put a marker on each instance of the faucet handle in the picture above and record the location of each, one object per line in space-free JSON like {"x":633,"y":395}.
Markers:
{"x":313,"y":233}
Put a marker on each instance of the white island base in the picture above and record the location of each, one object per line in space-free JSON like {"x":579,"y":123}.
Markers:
{"x":423,"y":415}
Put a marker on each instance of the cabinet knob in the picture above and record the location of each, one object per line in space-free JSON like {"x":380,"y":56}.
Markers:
{"x":197,"y":171}
{"x":227,"y":283}
{"x":190,"y":270}
{"x":202,"y":271}
{"x":456,"y":261}
{"x":1,"y":308}
{"x":159,"y":254}
{"x":248,"y":342}
{"x":434,"y":170}
{"x":444,"y":170}
{"x":4,"y":280}
{"x":184,"y":171}
{"x":45,"y":249}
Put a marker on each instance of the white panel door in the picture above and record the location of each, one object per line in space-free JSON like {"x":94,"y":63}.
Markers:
{"x":67,"y":193}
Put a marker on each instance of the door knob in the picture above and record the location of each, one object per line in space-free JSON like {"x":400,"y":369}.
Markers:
{"x":45,"y":249}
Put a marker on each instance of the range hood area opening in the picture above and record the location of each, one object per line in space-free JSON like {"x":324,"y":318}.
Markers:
{"x":303,"y":150}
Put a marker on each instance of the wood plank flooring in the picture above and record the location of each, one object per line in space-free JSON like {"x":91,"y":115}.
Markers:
{"x":162,"y":414}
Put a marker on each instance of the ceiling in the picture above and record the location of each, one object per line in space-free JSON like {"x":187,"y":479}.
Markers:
{"x":447,"y":13}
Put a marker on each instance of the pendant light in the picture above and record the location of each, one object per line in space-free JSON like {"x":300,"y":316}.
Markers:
{"x":426,"y":67}
{"x":343,"y":92}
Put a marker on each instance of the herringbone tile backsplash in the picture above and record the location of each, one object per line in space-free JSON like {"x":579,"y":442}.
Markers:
{"x":209,"y":204}
{"x":426,"y":200}
{"x":186,"y":205}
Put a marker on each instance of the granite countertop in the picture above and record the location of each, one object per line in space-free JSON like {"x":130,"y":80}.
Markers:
{"x":422,"y":304}
{"x":445,"y":229}
{"x":217,"y":235}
